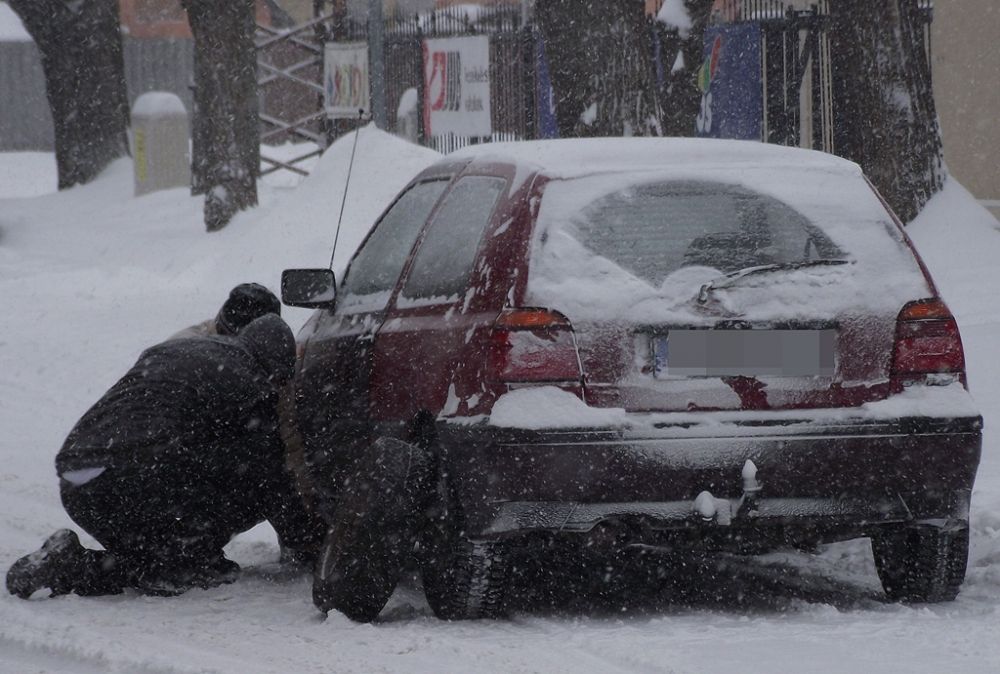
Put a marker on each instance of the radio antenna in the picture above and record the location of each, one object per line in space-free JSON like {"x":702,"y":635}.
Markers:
{"x":347,"y":184}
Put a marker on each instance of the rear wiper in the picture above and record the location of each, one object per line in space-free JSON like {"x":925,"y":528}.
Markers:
{"x":734,"y":277}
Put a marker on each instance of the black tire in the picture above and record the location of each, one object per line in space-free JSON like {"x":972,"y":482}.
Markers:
{"x":466,"y":579}
{"x":922,"y":564}
{"x":374,"y":529}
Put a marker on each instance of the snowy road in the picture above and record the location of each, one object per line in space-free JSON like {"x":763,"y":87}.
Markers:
{"x":91,"y":276}
{"x":752,"y":622}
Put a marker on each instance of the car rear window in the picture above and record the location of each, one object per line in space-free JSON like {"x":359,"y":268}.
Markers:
{"x":652,"y":230}
{"x":640,"y":246}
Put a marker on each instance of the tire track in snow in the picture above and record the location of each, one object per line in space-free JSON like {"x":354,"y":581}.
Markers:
{"x":21,"y":656}
{"x":582,"y":644}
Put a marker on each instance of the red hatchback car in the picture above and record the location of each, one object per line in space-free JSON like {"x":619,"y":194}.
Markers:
{"x":672,"y":342}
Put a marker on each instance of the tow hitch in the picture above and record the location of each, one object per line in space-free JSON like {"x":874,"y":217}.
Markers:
{"x":711,"y":510}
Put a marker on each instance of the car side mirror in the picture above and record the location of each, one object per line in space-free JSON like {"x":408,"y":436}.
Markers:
{"x":309,"y":288}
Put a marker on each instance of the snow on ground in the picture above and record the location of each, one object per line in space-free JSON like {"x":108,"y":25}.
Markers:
{"x":27,"y":174}
{"x":11,"y":28}
{"x":91,"y":276}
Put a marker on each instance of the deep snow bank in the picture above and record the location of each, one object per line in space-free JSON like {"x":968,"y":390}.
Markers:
{"x":90,"y":276}
{"x":960,"y":243}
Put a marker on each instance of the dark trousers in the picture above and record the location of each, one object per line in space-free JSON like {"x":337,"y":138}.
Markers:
{"x":154,"y":520}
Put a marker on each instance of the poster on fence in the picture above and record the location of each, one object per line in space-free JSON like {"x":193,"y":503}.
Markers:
{"x":345,"y":79}
{"x":731,"y":83}
{"x":457,"y":87}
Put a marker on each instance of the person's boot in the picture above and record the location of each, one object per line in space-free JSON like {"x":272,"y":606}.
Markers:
{"x":52,"y":566}
{"x":171,"y":577}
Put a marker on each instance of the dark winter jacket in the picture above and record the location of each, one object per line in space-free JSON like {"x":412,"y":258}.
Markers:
{"x":186,"y":397}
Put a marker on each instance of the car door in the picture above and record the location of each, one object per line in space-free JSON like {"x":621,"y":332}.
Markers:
{"x":332,"y":386}
{"x":430,"y":324}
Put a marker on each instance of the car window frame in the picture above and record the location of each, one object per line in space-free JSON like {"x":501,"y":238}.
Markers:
{"x":422,"y":302}
{"x":448,"y":179}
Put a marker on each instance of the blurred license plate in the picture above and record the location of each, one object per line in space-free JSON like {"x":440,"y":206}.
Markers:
{"x":748,"y":353}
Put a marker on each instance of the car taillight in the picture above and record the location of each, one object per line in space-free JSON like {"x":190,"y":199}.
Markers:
{"x":927,"y":343}
{"x":534,"y":346}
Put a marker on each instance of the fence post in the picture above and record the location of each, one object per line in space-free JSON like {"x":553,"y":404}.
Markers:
{"x":421,"y":109}
{"x":376,"y":48}
{"x":793,"y":80}
{"x":529,"y":81}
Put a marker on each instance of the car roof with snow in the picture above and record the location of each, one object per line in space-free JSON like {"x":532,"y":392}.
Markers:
{"x":829,"y":193}
{"x":568,"y":158}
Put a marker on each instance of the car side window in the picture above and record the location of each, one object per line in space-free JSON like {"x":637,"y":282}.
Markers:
{"x":445,"y":257}
{"x":376,"y":267}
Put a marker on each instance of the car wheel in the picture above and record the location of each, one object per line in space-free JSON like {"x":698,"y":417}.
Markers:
{"x":374,"y":529}
{"x":466,"y":579}
{"x":922,"y":564}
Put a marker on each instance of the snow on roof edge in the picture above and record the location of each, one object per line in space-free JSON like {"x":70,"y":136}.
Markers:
{"x":580,"y":156}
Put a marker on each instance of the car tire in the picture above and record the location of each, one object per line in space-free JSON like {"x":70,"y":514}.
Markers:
{"x":922,"y":564}
{"x":374,"y":529}
{"x":466,"y":579}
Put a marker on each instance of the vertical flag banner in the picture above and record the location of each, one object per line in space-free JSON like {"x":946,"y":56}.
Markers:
{"x":732,"y":102}
{"x":544,"y":96}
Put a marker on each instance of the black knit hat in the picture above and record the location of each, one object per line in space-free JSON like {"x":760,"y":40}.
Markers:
{"x":269,"y":340}
{"x":247,"y":301}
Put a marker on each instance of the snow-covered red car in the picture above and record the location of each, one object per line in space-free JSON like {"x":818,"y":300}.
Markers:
{"x":669,"y":342}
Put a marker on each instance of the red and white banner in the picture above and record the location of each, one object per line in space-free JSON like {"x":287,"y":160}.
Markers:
{"x":457,"y":87}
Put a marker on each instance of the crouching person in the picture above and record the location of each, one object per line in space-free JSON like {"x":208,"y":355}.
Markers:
{"x":179,"y":456}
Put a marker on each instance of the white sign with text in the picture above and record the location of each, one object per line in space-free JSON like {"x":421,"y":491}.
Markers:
{"x":457,"y":87}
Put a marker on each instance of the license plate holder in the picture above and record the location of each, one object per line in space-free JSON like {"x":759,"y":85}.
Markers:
{"x":744,"y":353}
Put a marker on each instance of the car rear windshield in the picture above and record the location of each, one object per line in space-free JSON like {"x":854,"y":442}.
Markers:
{"x":655,"y":229}
{"x":640,"y":246}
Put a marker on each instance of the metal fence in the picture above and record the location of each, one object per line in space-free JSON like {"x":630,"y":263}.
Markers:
{"x":25,"y":119}
{"x":796,"y":68}
{"x":795,"y":65}
{"x":290,"y":90}
{"x":511,"y":62}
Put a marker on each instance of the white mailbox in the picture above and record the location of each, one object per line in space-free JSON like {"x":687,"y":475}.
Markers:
{"x":160,"y":147}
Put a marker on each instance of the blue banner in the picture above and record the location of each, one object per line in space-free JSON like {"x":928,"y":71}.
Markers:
{"x":730,"y":79}
{"x":545,"y":107}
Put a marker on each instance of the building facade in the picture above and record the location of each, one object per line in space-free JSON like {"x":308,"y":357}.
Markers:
{"x":966,"y":65}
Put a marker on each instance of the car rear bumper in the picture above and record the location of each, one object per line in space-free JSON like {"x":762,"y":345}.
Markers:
{"x":843,"y":478}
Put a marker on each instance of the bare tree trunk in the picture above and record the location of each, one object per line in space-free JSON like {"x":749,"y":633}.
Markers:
{"x":81,"y":49}
{"x":600,"y":60}
{"x":226,"y":131}
{"x":681,"y":97}
{"x":885,"y":117}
